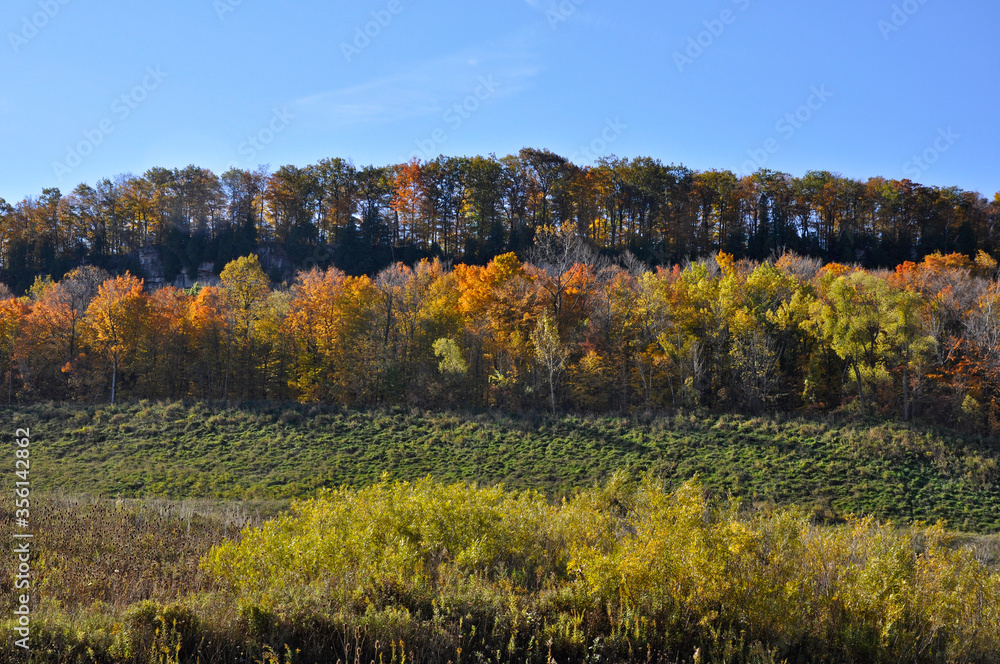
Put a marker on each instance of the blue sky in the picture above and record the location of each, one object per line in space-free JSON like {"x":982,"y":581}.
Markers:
{"x":95,"y":89}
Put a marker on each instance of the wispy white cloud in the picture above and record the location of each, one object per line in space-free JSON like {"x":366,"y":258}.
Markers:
{"x":427,"y":89}
{"x":560,"y":11}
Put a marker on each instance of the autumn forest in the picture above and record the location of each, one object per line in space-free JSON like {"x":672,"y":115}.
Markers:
{"x":627,"y":285}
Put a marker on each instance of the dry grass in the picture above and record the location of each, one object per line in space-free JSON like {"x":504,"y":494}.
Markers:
{"x":119,"y":552}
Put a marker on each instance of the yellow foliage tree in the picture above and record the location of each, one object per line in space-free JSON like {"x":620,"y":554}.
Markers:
{"x":115,"y":319}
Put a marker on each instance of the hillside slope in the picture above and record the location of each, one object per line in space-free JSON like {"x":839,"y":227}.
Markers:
{"x":273,"y":451}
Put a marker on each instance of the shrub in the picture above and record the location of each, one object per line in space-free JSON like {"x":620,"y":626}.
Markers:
{"x":389,"y":540}
{"x":630,"y":565}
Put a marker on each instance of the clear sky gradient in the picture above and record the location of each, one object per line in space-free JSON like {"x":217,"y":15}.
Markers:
{"x":94,"y":89}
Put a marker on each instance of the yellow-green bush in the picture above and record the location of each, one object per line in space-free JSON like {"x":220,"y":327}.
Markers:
{"x":348,"y":545}
{"x":623,"y":571}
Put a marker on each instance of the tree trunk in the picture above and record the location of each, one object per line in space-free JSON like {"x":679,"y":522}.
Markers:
{"x":114,"y":376}
{"x":552,"y":391}
{"x":906,"y":394}
{"x":861,"y":388}
{"x":225,"y":384}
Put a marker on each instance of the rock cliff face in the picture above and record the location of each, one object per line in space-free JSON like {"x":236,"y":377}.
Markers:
{"x":273,"y":260}
{"x":152,"y":265}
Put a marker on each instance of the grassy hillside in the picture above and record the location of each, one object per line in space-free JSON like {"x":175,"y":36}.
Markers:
{"x":282,"y":451}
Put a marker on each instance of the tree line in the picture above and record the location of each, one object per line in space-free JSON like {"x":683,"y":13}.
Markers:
{"x":565,"y":330}
{"x":472,"y":209}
